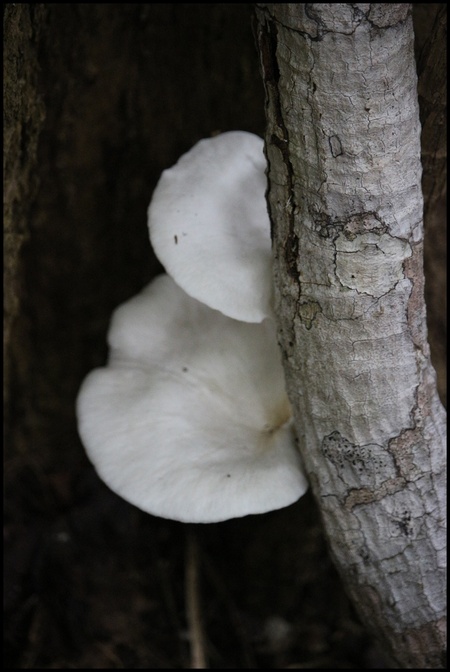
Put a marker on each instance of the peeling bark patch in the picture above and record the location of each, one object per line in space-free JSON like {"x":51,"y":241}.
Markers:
{"x":403,"y":447}
{"x":342,"y":19}
{"x":363,"y":222}
{"x":307,"y":311}
{"x":367,"y":258}
{"x":370,"y":263}
{"x":413,"y":268}
{"x":335,"y":146}
{"x":367,"y":465}
{"x":364,"y":496}
{"x":385,"y":14}
{"x":353,"y":226}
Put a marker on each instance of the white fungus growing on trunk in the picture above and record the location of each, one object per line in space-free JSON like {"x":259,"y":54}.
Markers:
{"x":210,"y":228}
{"x":190,"y":418}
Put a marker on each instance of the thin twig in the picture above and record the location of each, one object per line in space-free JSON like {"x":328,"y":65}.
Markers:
{"x":225,"y":596}
{"x":193,"y":609}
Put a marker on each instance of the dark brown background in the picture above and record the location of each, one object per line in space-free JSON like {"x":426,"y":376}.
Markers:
{"x":99,"y":99}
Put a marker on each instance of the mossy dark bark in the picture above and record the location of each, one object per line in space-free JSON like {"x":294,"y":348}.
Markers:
{"x":99,"y":100}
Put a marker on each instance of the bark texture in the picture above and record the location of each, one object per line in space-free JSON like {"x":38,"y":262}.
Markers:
{"x":343,"y":148}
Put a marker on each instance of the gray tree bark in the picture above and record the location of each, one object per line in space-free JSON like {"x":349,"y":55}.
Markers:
{"x":345,"y":200}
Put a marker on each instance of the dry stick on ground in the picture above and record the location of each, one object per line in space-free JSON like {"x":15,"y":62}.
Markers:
{"x":193,"y":603}
{"x":343,"y":150}
{"x":225,"y":597}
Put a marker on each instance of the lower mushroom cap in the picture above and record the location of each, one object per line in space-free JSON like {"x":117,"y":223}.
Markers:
{"x":190,"y":418}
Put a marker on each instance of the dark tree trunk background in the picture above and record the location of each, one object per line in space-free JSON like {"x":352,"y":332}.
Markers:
{"x":98,"y":100}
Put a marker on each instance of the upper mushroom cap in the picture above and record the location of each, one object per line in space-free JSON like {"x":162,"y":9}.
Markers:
{"x":190,"y":418}
{"x":210,"y":228}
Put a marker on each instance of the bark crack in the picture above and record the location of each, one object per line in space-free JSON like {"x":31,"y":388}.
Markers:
{"x":280,"y":139}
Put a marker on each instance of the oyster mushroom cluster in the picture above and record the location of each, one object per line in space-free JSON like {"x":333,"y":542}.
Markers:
{"x":190,"y":419}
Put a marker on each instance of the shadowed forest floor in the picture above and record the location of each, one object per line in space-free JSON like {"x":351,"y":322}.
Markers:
{"x":106,"y":585}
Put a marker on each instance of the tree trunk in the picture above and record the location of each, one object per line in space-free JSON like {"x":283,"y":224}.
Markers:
{"x":344,"y":195}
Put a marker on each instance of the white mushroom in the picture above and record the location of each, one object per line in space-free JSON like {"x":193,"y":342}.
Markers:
{"x":210,"y":228}
{"x":190,"y":419}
